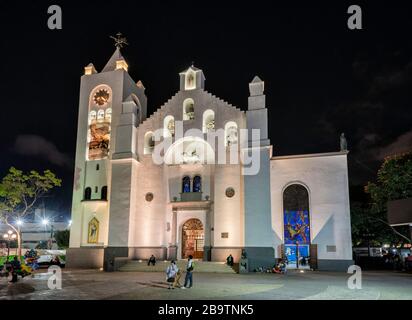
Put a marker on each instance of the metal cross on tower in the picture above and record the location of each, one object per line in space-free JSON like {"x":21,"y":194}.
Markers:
{"x":119,"y":40}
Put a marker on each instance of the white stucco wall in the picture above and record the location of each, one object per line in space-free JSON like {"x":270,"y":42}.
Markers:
{"x":326,"y":178}
{"x":228,"y":212}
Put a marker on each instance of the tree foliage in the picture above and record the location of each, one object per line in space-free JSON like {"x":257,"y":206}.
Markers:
{"x":20,"y":191}
{"x":62,"y":238}
{"x":393,"y":182}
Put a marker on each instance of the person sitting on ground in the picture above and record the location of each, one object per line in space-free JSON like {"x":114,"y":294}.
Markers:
{"x":171,"y":273}
{"x":280,"y":268}
{"x":152,"y":260}
{"x":229,"y":260}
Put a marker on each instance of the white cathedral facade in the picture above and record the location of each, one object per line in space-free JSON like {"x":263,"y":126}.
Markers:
{"x":126,"y":205}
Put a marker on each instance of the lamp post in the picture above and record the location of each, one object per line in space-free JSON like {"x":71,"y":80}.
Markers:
{"x":297,"y":255}
{"x":45,"y":222}
{"x":9,"y":236}
{"x":19,"y":223}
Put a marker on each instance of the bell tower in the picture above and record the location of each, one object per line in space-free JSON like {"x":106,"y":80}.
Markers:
{"x":258,"y":223}
{"x":111,"y":106}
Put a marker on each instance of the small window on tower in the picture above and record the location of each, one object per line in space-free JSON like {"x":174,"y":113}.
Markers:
{"x":96,"y":189}
{"x":92,"y":116}
{"x":104,"y":193}
{"x":87,"y":193}
{"x":188,"y":109}
{"x":108,"y":114}
{"x":149,"y":143}
{"x":97,"y":167}
{"x":100,"y":115}
{"x":190,"y":80}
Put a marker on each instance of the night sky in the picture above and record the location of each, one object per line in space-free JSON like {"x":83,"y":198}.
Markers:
{"x":321,"y":78}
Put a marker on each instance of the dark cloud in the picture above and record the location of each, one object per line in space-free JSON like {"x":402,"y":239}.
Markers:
{"x":36,"y":146}
{"x":401,"y":144}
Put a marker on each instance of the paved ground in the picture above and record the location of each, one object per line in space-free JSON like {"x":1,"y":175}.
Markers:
{"x":91,"y":284}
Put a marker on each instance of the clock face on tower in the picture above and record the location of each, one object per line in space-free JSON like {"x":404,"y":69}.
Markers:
{"x":101,"y":97}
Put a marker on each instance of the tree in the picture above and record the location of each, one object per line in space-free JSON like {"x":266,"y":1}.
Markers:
{"x":19,"y":194}
{"x":394,"y":182}
{"x":62,"y":238}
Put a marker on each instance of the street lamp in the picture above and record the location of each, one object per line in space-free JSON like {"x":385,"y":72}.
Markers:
{"x":19,"y":223}
{"x":9,"y":236}
{"x":297,"y":254}
{"x":45,"y":222}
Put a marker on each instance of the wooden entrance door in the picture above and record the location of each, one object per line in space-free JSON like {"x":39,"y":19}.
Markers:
{"x":193,"y":239}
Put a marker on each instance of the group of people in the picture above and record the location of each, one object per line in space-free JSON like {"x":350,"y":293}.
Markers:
{"x":173,"y":274}
{"x":14,"y":268}
{"x":397,"y":262}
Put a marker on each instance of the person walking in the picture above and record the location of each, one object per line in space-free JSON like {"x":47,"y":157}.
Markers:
{"x":189,"y":273}
{"x":171,"y":273}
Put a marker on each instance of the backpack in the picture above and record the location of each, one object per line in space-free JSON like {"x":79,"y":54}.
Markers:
{"x":192,"y":266}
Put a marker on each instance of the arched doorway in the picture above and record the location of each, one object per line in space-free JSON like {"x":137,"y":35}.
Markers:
{"x":193,"y":239}
{"x":296,"y":225}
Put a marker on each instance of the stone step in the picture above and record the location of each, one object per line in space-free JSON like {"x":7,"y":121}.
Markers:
{"x":161,"y":266}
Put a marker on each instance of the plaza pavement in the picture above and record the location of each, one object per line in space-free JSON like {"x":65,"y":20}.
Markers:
{"x":93,"y":284}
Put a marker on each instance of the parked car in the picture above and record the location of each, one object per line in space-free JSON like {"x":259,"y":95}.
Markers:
{"x":49,"y":259}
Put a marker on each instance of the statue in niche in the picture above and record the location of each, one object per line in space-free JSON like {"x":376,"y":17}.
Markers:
{"x":231,"y":136}
{"x":210,"y":125}
{"x":190,"y":81}
{"x":93,"y":231}
{"x":343,"y":142}
{"x":190,"y":157}
{"x":171,"y":127}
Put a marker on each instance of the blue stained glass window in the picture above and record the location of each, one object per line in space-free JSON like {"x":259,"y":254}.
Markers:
{"x":186,"y":184}
{"x":296,"y":215}
{"x":197,"y":184}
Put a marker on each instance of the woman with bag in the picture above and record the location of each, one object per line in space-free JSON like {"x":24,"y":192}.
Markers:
{"x":171,"y":273}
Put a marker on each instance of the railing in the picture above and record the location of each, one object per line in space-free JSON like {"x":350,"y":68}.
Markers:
{"x":191,"y":196}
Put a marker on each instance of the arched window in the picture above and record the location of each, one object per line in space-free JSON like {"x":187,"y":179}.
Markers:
{"x":87,"y":193}
{"x":197,"y":184}
{"x":188,"y":109}
{"x":186,"y":184}
{"x":208,"y":121}
{"x":108,"y":114}
{"x":231,"y":135}
{"x":100,"y":115}
{"x":169,"y":126}
{"x":104,"y":193}
{"x":190,"y":80}
{"x":149,"y":143}
{"x":92,"y":116}
{"x":296,"y":215}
